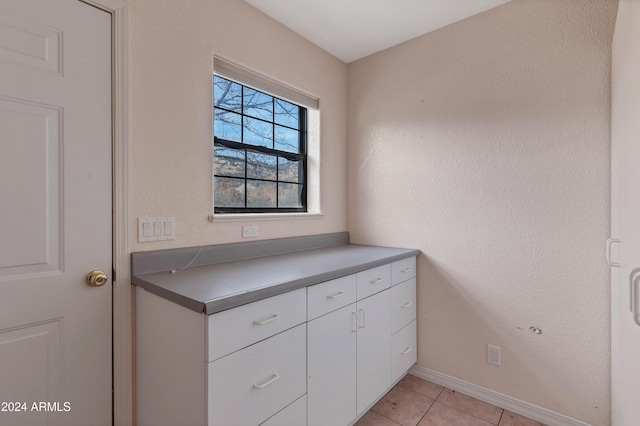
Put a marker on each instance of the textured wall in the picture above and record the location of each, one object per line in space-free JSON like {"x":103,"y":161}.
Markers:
{"x":172,"y":48}
{"x":486,"y":145}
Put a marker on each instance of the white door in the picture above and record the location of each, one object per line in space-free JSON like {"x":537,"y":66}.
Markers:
{"x":55,"y":213}
{"x":625,"y":216}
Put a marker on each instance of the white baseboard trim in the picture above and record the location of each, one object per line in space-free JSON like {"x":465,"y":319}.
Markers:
{"x":514,"y":405}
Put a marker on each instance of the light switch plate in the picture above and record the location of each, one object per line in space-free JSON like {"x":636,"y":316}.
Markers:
{"x":156,"y":229}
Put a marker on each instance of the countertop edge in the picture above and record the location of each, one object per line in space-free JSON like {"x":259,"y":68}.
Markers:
{"x":233,"y":301}
{"x":230,"y":301}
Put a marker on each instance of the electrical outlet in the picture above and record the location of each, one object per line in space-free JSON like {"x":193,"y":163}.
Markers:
{"x":493,"y":355}
{"x":250,"y":231}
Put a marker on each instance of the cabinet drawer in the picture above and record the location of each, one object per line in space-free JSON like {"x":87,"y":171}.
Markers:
{"x":240,"y":327}
{"x":251,"y":385}
{"x":294,"y":415}
{"x":330,"y":296}
{"x":402,"y":270}
{"x":403,"y":304}
{"x":403,"y":351}
{"x":373,"y":281}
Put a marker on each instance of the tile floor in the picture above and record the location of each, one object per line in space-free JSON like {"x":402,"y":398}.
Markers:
{"x":417,"y":402}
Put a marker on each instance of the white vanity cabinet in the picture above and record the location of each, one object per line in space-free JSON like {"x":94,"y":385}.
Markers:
{"x":316,"y":355}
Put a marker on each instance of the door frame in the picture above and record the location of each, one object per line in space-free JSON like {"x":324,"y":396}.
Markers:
{"x":122,"y":291}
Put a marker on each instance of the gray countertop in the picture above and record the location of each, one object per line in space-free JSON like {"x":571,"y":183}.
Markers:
{"x":216,"y":287}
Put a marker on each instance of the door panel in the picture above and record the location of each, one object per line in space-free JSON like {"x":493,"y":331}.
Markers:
{"x":55,"y":214}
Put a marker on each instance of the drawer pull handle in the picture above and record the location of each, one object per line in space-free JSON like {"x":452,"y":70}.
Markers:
{"x":335,"y":296}
{"x":406,"y":305}
{"x":268,"y":320}
{"x":354,"y":324}
{"x":404,"y":271}
{"x":406,"y":351}
{"x":376,"y":281}
{"x":268,"y":382}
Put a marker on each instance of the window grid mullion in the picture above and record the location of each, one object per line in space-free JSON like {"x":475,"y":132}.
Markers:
{"x":246,"y":162}
{"x":273,"y":132}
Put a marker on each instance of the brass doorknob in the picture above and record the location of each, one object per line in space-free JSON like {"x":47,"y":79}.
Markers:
{"x":96,"y":278}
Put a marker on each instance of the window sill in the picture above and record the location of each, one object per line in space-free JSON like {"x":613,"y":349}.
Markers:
{"x":241,"y":217}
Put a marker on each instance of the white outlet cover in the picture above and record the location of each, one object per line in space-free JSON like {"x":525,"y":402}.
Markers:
{"x":250,"y":231}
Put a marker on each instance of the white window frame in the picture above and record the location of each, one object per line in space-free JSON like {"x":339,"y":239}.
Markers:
{"x":247,"y":77}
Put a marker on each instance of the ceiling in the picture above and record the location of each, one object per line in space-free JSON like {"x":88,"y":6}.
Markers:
{"x":352,"y":29}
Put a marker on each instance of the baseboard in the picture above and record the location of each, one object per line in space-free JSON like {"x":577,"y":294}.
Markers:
{"x":514,"y":405}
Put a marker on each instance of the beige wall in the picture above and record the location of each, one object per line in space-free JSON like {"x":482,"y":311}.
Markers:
{"x":486,"y":145}
{"x":172,"y":47}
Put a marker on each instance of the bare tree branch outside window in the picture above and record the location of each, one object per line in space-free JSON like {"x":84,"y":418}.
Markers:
{"x":260,"y":150}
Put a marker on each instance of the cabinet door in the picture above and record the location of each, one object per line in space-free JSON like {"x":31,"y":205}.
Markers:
{"x":331,"y":368}
{"x":374,"y":348}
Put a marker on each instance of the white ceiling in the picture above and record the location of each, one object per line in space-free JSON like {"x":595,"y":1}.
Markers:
{"x":352,"y":29}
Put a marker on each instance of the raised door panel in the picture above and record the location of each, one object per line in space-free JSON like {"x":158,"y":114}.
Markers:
{"x":374,"y":348}
{"x":331,"y":368}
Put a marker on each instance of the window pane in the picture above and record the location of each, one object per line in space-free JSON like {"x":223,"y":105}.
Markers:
{"x":229,"y":192}
{"x":261,"y":166}
{"x":286,"y":114}
{"x":227,"y":94}
{"x":257,"y":104}
{"x":287,"y":139}
{"x":289,"y":195}
{"x":261,"y":194}
{"x":227,"y":125}
{"x":258,"y":132}
{"x":229,"y":162}
{"x":289,"y":171}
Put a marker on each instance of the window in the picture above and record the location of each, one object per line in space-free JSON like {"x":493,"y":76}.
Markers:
{"x":260,"y":144}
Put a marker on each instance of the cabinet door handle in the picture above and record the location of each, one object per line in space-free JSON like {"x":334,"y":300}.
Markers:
{"x":376,"y":281}
{"x":268,"y":382}
{"x":404,"y":271}
{"x":634,"y":289}
{"x":361,"y":325}
{"x":407,"y":350}
{"x":336,"y":295}
{"x":268,"y":320}
{"x":354,"y":323}
{"x":406,"y":305}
